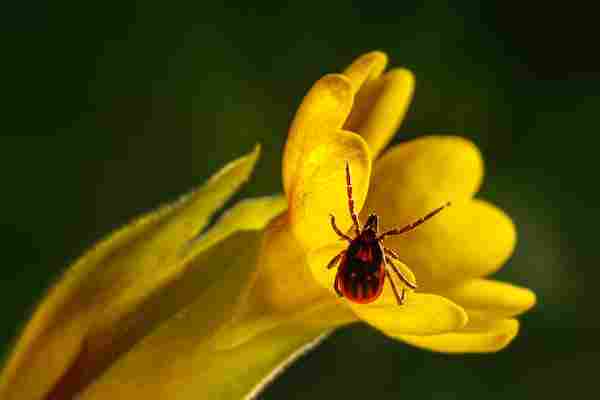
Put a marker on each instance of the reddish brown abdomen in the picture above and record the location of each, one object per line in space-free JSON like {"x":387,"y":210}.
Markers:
{"x":361,"y":274}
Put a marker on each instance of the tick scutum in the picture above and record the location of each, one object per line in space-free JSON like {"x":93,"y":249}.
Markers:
{"x":361,"y":273}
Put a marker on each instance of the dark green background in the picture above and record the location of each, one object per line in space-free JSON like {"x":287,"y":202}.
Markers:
{"x":112,"y":109}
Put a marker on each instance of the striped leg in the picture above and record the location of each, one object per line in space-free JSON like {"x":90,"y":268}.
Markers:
{"x":412,"y":226}
{"x":351,"y":200}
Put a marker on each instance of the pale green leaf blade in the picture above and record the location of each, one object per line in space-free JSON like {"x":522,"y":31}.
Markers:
{"x":64,"y":323}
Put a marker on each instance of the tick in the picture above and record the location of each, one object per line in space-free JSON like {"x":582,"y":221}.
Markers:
{"x":366,"y":263}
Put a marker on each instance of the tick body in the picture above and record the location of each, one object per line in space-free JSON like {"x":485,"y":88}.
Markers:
{"x":361,"y":274}
{"x":366,"y":263}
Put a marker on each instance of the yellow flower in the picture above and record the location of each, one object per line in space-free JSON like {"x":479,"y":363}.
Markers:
{"x":158,"y":311}
{"x":350,"y":117}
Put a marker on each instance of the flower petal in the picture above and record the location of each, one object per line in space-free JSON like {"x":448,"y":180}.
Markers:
{"x":85,"y":311}
{"x":380,"y":106}
{"x":419,"y":175}
{"x":498,"y":299}
{"x":318,"y":261}
{"x":421,"y":314}
{"x":366,"y":68}
{"x":315,"y":155}
{"x":479,"y":336}
{"x":320,"y":187}
{"x":467,"y":240}
{"x":324,"y":315}
{"x":282,"y":290}
{"x":321,"y":114}
{"x":470,"y":239}
{"x":283,"y":282}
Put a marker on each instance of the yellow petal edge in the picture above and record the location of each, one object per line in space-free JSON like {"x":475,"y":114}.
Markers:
{"x":477,"y":337}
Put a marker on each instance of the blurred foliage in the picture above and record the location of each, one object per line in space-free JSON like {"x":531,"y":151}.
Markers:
{"x":111,"y":108}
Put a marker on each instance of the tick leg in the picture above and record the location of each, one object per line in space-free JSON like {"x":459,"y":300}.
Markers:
{"x":335,"y":260}
{"x":391,"y":253}
{"x":336,"y":286}
{"x":400,"y":274}
{"x":399,"y":299}
{"x":351,"y":201}
{"x":337,"y":230}
{"x":412,"y":226}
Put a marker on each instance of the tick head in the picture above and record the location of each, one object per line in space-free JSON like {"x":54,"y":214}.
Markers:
{"x":372,"y":223}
